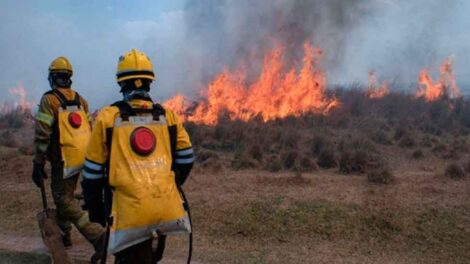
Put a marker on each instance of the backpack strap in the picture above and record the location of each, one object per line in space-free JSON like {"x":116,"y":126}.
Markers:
{"x":77,"y":100}
{"x":125,"y":110}
{"x":64,"y":102}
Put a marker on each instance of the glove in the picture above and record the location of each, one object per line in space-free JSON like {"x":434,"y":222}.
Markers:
{"x":38,"y":173}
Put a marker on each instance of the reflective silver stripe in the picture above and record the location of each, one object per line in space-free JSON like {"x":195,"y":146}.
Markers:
{"x":123,"y":239}
{"x":91,"y":176}
{"x":184,"y":161}
{"x":69,"y":172}
{"x":42,"y":146}
{"x":93,"y":166}
{"x":184,"y":152}
{"x":70,"y":108}
{"x":45,"y":118}
{"x":139,"y":120}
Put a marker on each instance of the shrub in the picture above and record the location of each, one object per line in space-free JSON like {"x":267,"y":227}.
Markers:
{"x":426,"y":141}
{"x":454,"y":171}
{"x":381,"y":176}
{"x":353,"y":162}
{"x":213,"y":165}
{"x":8,"y":139}
{"x":356,"y":144}
{"x":243,"y":163}
{"x":290,"y":139}
{"x":417,"y":154}
{"x":380,"y":137}
{"x":15,"y":118}
{"x":289,"y":159}
{"x":327,"y":159}
{"x":27,"y":150}
{"x":466,"y":166}
{"x":439,"y":148}
{"x":307,"y":165}
{"x":203,"y":155}
{"x":318,"y":144}
{"x":273,"y":164}
{"x":256,"y":152}
{"x":359,"y":161}
{"x":242,"y":160}
{"x":407,"y":142}
{"x":399,"y":133}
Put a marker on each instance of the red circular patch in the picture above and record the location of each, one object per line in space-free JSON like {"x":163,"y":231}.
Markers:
{"x":75,"y":120}
{"x":143,"y":141}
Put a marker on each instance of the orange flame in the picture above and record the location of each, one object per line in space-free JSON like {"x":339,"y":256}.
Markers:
{"x":446,"y":86}
{"x":275,"y":94}
{"x":178,"y":104}
{"x":373,"y":91}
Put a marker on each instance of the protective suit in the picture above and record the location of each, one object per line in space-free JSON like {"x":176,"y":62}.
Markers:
{"x":139,"y":154}
{"x":62,"y":133}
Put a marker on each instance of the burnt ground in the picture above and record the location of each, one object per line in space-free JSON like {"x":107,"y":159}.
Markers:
{"x":329,"y":208}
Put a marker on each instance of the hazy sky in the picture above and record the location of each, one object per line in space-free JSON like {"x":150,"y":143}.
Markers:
{"x":92,"y":34}
{"x":191,"y":40}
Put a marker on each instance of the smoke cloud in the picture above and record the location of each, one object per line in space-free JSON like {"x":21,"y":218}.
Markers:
{"x":394,"y":38}
{"x":194,"y":42}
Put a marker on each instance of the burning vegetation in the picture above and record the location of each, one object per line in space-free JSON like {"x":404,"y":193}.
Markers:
{"x":446,"y":85}
{"x":278,"y":92}
{"x":373,"y":89}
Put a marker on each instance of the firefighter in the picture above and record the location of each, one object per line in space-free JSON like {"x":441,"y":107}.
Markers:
{"x":62,"y":132}
{"x":138,"y":157}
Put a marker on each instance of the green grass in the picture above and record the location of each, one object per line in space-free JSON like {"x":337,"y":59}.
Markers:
{"x":259,"y":226}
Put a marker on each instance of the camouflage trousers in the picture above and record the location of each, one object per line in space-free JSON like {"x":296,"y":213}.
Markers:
{"x":68,"y":207}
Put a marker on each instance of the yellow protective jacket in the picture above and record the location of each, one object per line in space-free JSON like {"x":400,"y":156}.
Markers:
{"x":46,"y":139}
{"x":142,"y":198}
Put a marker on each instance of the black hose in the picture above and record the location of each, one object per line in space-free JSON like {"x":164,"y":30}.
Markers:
{"x":186,"y":207}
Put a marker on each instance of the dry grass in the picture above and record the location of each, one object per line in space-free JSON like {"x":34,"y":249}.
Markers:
{"x":258,"y":195}
{"x":380,"y":176}
{"x":454,"y":171}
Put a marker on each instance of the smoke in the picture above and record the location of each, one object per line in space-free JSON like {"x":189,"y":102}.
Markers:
{"x":395,"y":38}
{"x":196,"y":40}
{"x":402,"y":37}
{"x":33,"y":35}
{"x":225,"y":33}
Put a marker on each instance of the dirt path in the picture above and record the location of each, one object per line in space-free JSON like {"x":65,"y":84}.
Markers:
{"x":80,"y":252}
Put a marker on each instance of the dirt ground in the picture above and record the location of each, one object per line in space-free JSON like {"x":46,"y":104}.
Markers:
{"x":253,"y":216}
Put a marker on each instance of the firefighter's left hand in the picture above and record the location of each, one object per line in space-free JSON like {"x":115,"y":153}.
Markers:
{"x":39,"y":174}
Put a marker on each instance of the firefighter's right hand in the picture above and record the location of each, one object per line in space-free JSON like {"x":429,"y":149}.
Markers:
{"x":39,"y":174}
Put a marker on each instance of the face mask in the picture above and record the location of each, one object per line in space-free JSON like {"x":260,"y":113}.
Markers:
{"x":127,"y":95}
{"x":56,"y":81}
{"x":131,"y":94}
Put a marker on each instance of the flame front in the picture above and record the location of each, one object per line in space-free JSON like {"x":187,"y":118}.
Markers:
{"x":446,"y":86}
{"x":178,"y":105}
{"x":277,"y":93}
{"x":373,"y":90}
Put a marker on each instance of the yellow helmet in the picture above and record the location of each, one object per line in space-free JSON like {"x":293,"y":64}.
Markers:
{"x":61,"y":64}
{"x":134,"y":64}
